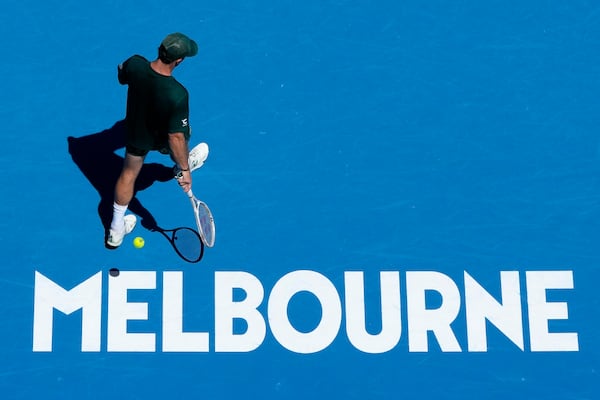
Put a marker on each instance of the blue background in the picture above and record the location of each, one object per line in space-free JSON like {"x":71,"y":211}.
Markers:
{"x":344,"y":135}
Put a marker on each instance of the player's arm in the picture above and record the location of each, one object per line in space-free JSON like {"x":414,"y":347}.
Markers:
{"x":180,"y":152}
{"x":178,"y":140}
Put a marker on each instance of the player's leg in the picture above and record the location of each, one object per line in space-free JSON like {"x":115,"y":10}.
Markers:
{"x":124,"y":189}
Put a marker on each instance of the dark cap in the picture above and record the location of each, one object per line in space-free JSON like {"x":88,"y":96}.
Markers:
{"x":177,"y":45}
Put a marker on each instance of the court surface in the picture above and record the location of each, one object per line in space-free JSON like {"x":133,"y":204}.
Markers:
{"x":458,"y":139}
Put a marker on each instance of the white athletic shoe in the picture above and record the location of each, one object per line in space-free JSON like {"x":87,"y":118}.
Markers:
{"x":197,"y":156}
{"x":115,"y":238}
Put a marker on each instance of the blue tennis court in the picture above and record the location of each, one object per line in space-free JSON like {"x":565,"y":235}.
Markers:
{"x":406,"y":197}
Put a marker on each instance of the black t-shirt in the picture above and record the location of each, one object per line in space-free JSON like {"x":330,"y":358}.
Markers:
{"x":156,"y":105}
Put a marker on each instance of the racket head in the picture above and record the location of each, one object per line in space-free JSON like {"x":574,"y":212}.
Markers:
{"x":205,"y":222}
{"x":187,"y":244}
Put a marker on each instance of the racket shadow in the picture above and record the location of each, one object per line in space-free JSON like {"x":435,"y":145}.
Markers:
{"x":95,"y":156}
{"x":185,"y":241}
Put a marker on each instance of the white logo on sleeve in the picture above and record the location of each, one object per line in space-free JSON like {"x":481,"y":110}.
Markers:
{"x":184,"y":122}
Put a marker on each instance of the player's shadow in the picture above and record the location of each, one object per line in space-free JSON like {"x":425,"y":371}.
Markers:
{"x":95,"y":156}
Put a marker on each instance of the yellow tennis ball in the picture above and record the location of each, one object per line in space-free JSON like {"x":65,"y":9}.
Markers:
{"x":138,"y":242}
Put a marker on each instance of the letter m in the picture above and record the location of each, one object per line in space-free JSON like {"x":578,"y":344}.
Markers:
{"x":86,"y":296}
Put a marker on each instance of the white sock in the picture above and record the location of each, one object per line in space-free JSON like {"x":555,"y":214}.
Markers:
{"x":118,"y":224}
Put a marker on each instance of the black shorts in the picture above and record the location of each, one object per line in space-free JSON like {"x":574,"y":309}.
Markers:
{"x":134,"y":151}
{"x":162,"y":148}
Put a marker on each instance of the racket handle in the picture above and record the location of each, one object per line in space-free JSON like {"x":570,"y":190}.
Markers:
{"x":190,"y":194}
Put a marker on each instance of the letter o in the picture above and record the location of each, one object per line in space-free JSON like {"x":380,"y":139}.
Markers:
{"x":331,"y":317}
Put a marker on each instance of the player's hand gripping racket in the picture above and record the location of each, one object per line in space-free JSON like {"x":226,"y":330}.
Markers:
{"x":204,"y":220}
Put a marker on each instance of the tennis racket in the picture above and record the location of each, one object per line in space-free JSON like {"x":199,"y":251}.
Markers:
{"x":185,"y":241}
{"x":204,"y":220}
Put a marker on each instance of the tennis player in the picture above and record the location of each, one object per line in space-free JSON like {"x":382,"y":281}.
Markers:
{"x":157,"y":118}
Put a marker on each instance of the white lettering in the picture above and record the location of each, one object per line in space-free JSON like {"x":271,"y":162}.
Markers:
{"x":331,"y":316}
{"x":391,"y":325}
{"x":422,"y":319}
{"x":482,"y":307}
{"x":86,"y":296}
{"x":120,"y":311}
{"x":541,"y":311}
{"x":433,"y":302}
{"x":174,"y":339}
{"x":226,"y":310}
